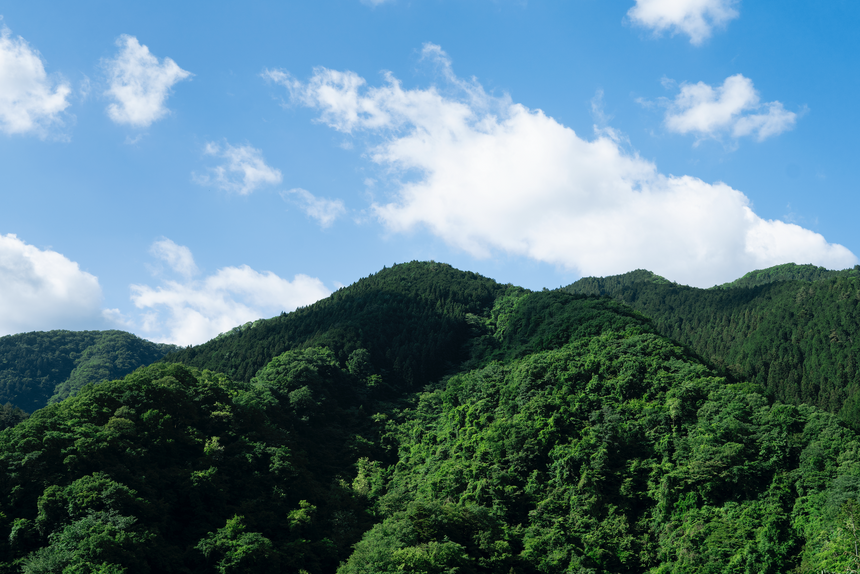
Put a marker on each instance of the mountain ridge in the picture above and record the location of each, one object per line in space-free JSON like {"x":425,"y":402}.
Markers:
{"x":796,"y":337}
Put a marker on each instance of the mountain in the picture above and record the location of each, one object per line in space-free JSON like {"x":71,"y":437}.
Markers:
{"x":411,"y":319}
{"x":792,"y":329}
{"x":430,"y":420}
{"x":41,"y":366}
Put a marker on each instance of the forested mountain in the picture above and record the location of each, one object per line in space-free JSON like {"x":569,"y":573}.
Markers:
{"x":34,"y":367}
{"x":787,"y":272}
{"x":792,"y":329}
{"x":410,"y":318}
{"x":543,"y":432}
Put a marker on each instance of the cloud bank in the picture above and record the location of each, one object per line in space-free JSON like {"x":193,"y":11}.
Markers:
{"x":193,"y":310}
{"x":43,"y":290}
{"x":695,"y":18}
{"x":486,"y":174}
{"x":734,"y":108}
{"x":243,"y":171}
{"x":30,"y":102}
{"x":139,"y":84}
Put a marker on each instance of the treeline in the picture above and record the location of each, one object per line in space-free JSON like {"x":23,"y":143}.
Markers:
{"x":34,"y":367}
{"x":796,"y":338}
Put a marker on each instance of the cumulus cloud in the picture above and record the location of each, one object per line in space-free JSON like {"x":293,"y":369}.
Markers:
{"x":29,"y":100}
{"x":325,"y":211}
{"x":43,"y":290}
{"x":695,"y":18}
{"x":486,"y":174}
{"x":139,"y":83}
{"x":192,"y":311}
{"x":243,"y":170}
{"x":734,"y":108}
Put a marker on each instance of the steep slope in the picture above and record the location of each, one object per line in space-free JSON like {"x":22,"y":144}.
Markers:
{"x":37,"y":366}
{"x":798,"y":339}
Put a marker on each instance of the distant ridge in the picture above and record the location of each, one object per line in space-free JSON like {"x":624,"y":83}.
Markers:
{"x":609,"y":286}
{"x":793,"y":329}
{"x":787,"y":272}
{"x":41,"y":366}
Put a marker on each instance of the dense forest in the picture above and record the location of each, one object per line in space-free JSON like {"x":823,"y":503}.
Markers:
{"x":792,"y":329}
{"x":430,"y":420}
{"x":39,"y":367}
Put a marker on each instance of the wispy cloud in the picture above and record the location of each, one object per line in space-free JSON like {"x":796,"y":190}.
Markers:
{"x":178,"y":257}
{"x":243,"y":170}
{"x":487,"y":174}
{"x":734,"y":108}
{"x":192,"y":311}
{"x":30,"y":101}
{"x":695,"y":18}
{"x":139,"y":83}
{"x":325,"y":211}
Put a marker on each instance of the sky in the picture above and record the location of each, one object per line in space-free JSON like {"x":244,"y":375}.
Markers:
{"x":178,"y":169}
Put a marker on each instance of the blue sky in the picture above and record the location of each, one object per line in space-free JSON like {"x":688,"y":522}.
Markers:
{"x":178,"y":169}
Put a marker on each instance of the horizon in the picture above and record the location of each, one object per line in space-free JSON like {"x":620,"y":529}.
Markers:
{"x":177,"y":171}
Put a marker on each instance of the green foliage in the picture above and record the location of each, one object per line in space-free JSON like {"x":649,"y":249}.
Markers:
{"x":140,"y":472}
{"x":620,"y":453}
{"x":410,"y":319}
{"x":614,"y":283}
{"x":434,"y":538}
{"x":786,"y":272}
{"x":238,"y":551}
{"x":797,"y":339}
{"x":41,"y":366}
{"x":10,"y":415}
{"x":555,"y":432}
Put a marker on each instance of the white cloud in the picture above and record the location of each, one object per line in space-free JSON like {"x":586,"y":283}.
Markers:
{"x":43,"y":290}
{"x":325,"y":211}
{"x":244,"y":170}
{"x":374,"y":3}
{"x":139,"y":83}
{"x":29,"y":100}
{"x":193,"y":311}
{"x":733,"y":108}
{"x":695,"y":18}
{"x":178,"y":257}
{"x":486,"y":175}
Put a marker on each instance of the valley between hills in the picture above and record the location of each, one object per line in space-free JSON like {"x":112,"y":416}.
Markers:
{"x":431,"y":420}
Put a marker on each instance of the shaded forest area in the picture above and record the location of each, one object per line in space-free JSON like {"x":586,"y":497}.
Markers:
{"x":39,"y":367}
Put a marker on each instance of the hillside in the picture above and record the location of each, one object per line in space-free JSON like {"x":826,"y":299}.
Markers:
{"x":410,"y":318}
{"x":795,"y":337}
{"x":545,"y":433}
{"x":40,"y":366}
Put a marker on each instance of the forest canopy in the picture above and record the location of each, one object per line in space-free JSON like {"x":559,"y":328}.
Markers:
{"x":431,"y":420}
